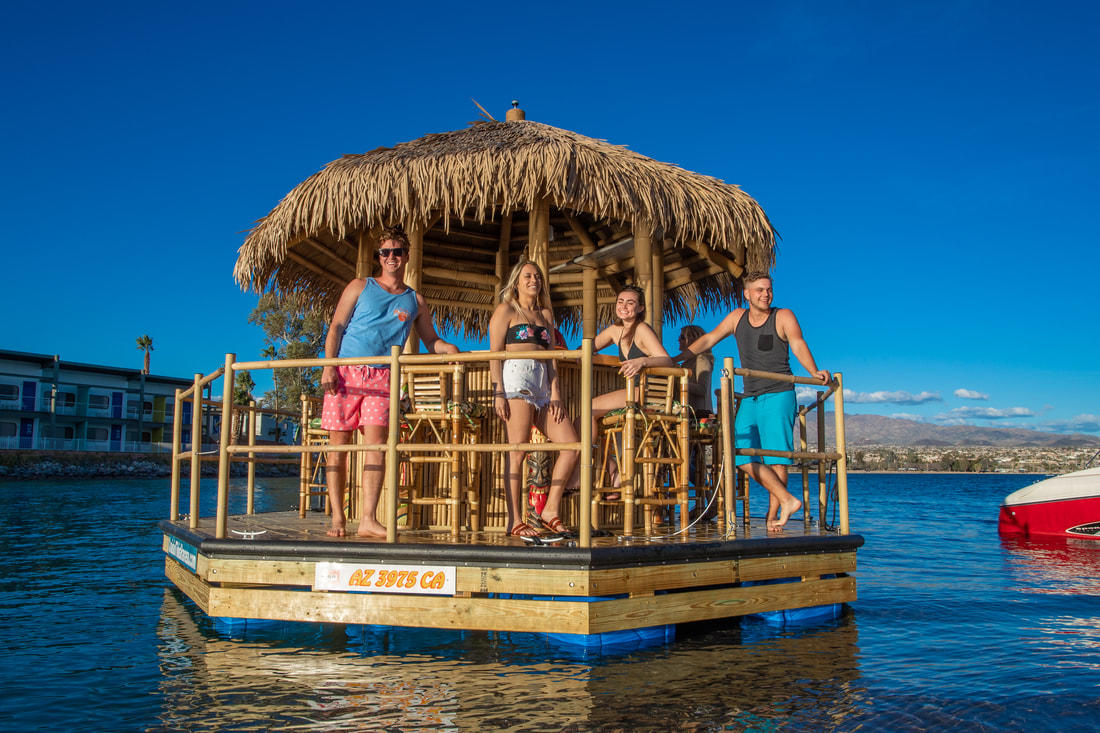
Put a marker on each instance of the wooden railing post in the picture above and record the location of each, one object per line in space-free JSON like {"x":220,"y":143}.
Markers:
{"x":177,"y":425}
{"x":252,"y":458}
{"x":304,"y":461}
{"x":391,"y":444}
{"x":222,"y":526}
{"x":196,"y":449}
{"x":822,"y":483}
{"x":585,"y":458}
{"x":842,"y":461}
{"x":728,"y":488}
{"x":805,"y":467}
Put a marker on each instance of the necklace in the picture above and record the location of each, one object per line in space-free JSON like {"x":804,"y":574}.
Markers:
{"x":532,"y":318}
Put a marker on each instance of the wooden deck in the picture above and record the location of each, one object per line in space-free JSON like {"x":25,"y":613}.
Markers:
{"x":276,"y":565}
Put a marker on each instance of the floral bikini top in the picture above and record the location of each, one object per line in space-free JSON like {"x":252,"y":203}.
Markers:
{"x":527,"y":333}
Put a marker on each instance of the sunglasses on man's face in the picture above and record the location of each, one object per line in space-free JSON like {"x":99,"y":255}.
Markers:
{"x":399,"y":252}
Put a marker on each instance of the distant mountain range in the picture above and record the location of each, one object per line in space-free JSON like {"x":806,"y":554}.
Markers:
{"x":879,"y":430}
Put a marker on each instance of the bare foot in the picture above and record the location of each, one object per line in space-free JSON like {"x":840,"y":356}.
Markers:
{"x":370,"y":528}
{"x":337,"y":528}
{"x":786,"y":509}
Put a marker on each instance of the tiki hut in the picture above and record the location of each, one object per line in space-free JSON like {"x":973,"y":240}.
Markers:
{"x":595,"y":215}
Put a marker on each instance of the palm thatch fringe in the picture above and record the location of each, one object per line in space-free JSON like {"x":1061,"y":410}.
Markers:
{"x":481,"y":171}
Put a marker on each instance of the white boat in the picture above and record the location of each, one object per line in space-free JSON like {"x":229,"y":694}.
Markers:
{"x":1062,"y":506}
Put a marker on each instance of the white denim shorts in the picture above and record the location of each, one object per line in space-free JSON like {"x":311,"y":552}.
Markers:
{"x":527,"y":379}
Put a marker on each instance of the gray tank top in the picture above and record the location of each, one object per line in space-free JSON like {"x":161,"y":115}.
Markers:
{"x":762,"y":349}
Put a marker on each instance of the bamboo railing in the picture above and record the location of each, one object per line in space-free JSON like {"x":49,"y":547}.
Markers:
{"x":577,"y":390}
{"x":834,"y":389}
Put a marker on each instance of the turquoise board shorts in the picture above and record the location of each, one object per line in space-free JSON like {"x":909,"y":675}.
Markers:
{"x":766,"y":422}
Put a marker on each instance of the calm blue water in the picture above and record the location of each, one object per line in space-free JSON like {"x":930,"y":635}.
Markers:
{"x":953,"y":630}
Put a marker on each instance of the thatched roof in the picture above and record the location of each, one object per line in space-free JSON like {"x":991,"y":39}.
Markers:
{"x":470,"y":188}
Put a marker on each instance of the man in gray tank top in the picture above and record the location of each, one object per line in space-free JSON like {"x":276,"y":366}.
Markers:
{"x":765,"y":417}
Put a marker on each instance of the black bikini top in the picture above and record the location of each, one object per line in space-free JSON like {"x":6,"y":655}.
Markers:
{"x":526,"y":333}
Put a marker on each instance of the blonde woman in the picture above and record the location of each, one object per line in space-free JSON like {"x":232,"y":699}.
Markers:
{"x":526,"y":391}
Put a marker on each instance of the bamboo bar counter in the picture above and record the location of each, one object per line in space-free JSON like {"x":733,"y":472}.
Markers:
{"x":595,"y":217}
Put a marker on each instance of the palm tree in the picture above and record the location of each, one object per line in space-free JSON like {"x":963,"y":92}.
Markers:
{"x":145,"y":343}
{"x":272,"y":353}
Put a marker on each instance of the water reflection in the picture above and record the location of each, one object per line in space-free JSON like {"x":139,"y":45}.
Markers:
{"x":1053,"y":565}
{"x":320,"y":677}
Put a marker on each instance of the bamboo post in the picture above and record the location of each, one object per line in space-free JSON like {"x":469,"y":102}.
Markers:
{"x":502,"y":264}
{"x":585,"y":509}
{"x":364,"y":263}
{"x":414,"y":276}
{"x":842,"y":449}
{"x":727,"y":443}
{"x":588,"y":286}
{"x":196,"y":449}
{"x":822,"y":485}
{"x":626,"y":471}
{"x":684,"y":435}
{"x":656,"y":304}
{"x":221,"y":528}
{"x":538,"y":235}
{"x":304,"y":471}
{"x":177,"y":425}
{"x":805,"y":468}
{"x":251,"y":502}
{"x":391,"y":445}
{"x":456,"y":463}
{"x":643,"y":265}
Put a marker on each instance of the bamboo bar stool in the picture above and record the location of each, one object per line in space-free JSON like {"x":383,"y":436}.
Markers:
{"x":434,"y":412}
{"x":312,"y":474}
{"x":705,"y":445}
{"x":654,"y":453}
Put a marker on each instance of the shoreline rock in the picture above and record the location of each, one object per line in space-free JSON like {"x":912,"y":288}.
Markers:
{"x":34,"y":465}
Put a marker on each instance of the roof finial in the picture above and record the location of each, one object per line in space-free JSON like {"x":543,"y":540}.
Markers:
{"x":515,"y":113}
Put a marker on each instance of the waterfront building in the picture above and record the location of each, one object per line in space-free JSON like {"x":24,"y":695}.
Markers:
{"x":50,"y":404}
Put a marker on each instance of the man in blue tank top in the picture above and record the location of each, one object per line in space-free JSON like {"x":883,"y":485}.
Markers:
{"x":373,"y":315}
{"x":765,"y":417}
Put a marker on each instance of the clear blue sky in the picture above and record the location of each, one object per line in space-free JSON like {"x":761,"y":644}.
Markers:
{"x":932,"y":167}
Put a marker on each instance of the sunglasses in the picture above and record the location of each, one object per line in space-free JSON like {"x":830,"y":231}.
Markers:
{"x":399,"y":252}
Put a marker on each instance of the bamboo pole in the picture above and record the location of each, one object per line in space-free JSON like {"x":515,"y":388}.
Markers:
{"x":201,"y":382}
{"x":251,"y":502}
{"x":221,"y":527}
{"x":841,"y":448}
{"x":196,"y":450}
{"x":177,"y":426}
{"x":364,"y":263}
{"x":314,"y":267}
{"x":657,"y":272}
{"x":414,"y":276}
{"x":711,"y":255}
{"x":538,"y":235}
{"x":805,"y":468}
{"x":727,"y":442}
{"x":419,"y":447}
{"x":822,"y":488}
{"x":304,"y":460}
{"x":626,"y":470}
{"x":643,"y":265}
{"x":584,"y":511}
{"x":502,"y":266}
{"x":391,"y":445}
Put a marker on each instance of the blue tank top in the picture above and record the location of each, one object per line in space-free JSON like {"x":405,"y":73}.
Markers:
{"x":380,"y":320}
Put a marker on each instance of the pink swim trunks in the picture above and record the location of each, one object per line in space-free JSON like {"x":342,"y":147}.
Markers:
{"x":362,"y":398}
